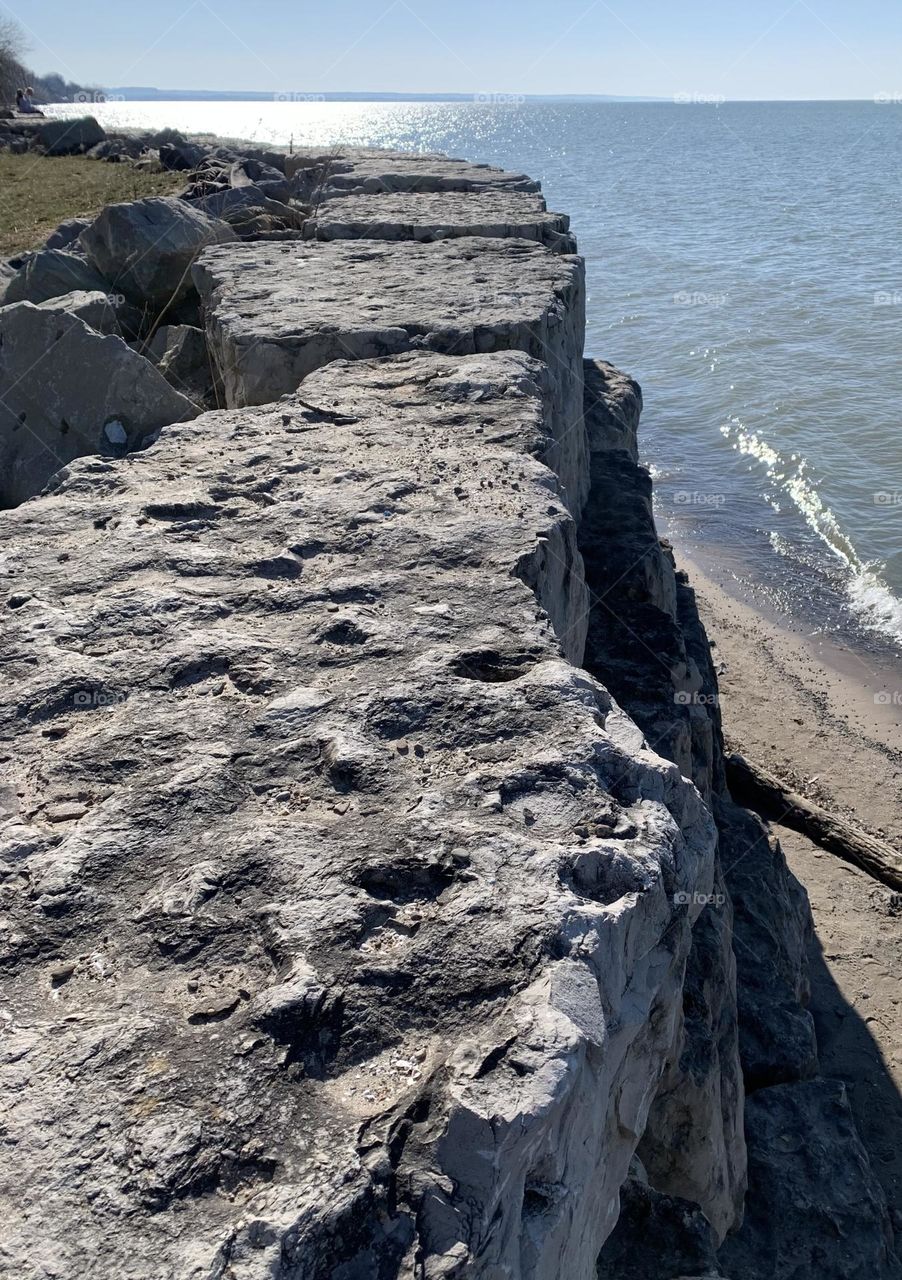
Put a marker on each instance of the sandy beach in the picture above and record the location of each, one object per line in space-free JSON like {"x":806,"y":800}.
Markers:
{"x":828,"y":721}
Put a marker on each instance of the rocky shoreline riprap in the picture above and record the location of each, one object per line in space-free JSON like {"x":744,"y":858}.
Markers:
{"x":374,"y":904}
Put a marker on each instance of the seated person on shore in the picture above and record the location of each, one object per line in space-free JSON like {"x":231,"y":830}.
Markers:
{"x":25,"y":102}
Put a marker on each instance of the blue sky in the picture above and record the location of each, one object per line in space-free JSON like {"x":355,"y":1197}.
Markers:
{"x":736,"y":48}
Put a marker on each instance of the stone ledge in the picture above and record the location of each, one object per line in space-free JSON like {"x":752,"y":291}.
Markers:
{"x":274,"y":313}
{"x":427,"y":217}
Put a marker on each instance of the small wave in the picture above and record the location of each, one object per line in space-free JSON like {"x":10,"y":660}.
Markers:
{"x":872,"y":601}
{"x":875,"y":604}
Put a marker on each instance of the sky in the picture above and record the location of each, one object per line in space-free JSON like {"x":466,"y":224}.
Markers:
{"x":661,"y":48}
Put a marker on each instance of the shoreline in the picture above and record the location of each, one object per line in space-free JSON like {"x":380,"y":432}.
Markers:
{"x":819,"y":729}
{"x":819,"y":714}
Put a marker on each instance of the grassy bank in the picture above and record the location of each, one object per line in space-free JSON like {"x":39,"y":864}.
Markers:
{"x":39,"y":192}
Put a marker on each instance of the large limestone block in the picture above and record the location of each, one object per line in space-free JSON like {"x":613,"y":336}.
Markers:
{"x":66,"y":391}
{"x":276,"y":312}
{"x":145,"y":248}
{"x":362,"y":171}
{"x":416,"y":216}
{"x":346,"y":934}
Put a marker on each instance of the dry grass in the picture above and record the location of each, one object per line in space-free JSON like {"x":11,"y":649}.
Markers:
{"x":37,"y":193}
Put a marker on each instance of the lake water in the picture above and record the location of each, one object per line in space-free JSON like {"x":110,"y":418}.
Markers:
{"x":744,"y":264}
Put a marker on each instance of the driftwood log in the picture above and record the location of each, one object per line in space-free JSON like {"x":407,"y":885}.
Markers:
{"x":761,"y":791}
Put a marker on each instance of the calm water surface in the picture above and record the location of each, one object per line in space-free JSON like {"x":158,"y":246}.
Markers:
{"x":743,"y":263}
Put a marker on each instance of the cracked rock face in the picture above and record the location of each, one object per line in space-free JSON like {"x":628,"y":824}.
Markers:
{"x":276,"y":312}
{"x":343,"y":926}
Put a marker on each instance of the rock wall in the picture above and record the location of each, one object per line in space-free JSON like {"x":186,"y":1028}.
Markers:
{"x":809,"y":1205}
{"x":352,"y":928}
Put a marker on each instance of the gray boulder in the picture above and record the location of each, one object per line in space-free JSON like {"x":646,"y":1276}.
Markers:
{"x":146,"y":248}
{"x":247,"y":172}
{"x":657,"y":1237}
{"x":103,"y":312}
{"x":309,"y":659}
{"x":7,"y":275}
{"x":66,"y":391}
{"x":180,"y":353}
{"x":149,"y":161}
{"x":182,"y":155}
{"x":238,"y":200}
{"x":116,"y":149}
{"x":67,"y":233}
{"x":809,"y":1172}
{"x":276,"y":312}
{"x":50,"y":273}
{"x":65,"y":137}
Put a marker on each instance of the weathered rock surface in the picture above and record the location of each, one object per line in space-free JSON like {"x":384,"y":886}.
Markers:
{"x":771,"y":931}
{"x":52,"y":273}
{"x":362,"y":171}
{"x":275,"y":313}
{"x":247,"y":172}
{"x":814,"y":1211}
{"x":66,"y":391}
{"x":344,"y":931}
{"x":146,"y":248}
{"x":640,"y":643}
{"x":103,"y":312}
{"x":426,"y":217}
{"x":236,"y":202}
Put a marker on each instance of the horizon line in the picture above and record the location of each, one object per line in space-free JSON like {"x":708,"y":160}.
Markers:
{"x":484,"y":98}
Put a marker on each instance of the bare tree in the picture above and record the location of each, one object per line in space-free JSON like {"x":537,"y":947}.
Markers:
{"x":12,"y":47}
